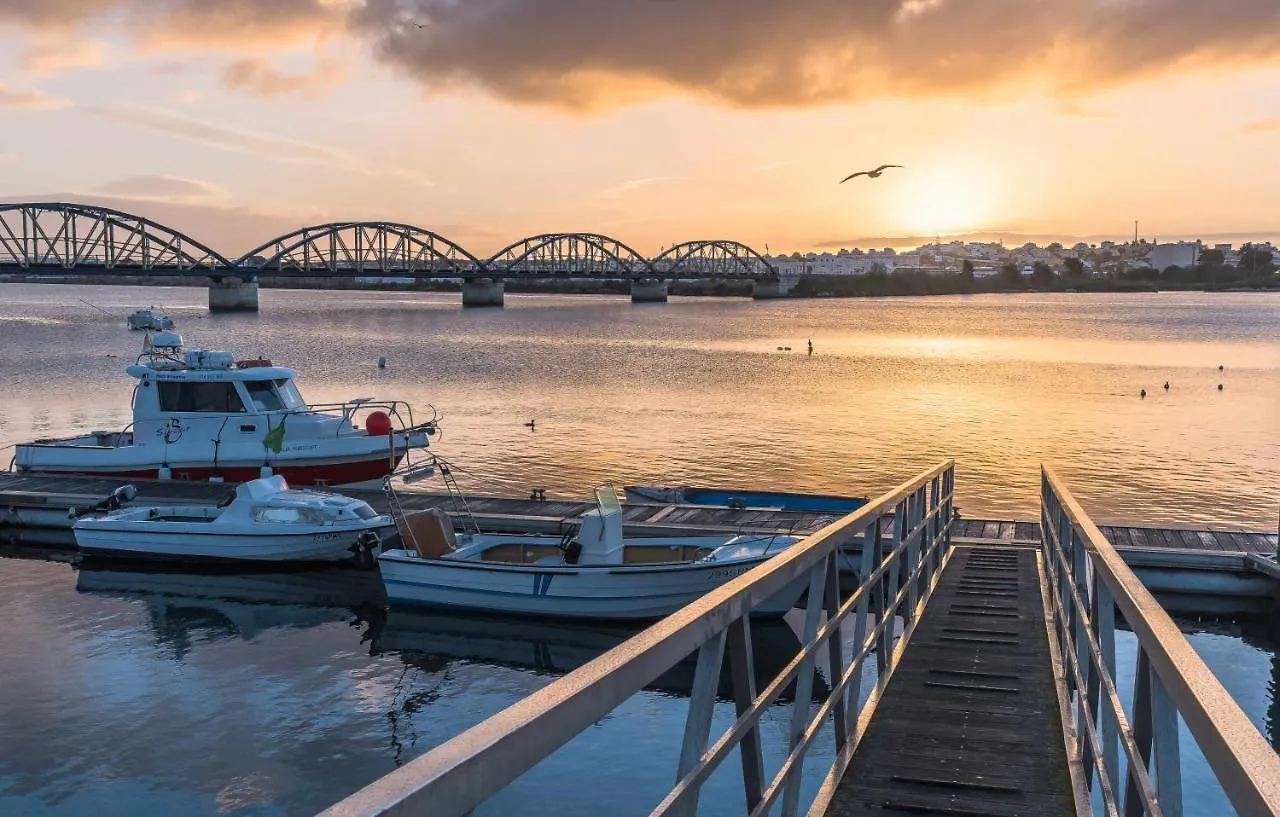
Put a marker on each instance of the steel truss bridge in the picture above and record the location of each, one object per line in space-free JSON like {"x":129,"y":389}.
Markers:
{"x":53,"y":238}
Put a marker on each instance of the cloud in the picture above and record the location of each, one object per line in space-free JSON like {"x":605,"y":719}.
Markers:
{"x":635,"y":184}
{"x":243,"y":140}
{"x":262,"y":79}
{"x":18,"y":98}
{"x":8,"y":158}
{"x":52,"y":54}
{"x":1263,"y":126}
{"x":155,"y":187}
{"x":234,"y":24}
{"x":594,"y":53}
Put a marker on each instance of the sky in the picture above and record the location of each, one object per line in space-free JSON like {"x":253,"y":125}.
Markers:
{"x":653,"y":121}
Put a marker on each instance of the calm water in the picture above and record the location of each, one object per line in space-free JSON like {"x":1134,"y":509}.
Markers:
{"x":130,"y":692}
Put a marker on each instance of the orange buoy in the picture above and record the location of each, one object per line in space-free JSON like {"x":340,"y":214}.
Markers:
{"x":377,"y":424}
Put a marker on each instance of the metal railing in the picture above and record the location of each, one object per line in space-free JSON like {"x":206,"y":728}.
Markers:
{"x":898,"y":572}
{"x":1088,"y":582}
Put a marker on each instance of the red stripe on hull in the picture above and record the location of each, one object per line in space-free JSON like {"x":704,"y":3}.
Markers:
{"x":300,"y":476}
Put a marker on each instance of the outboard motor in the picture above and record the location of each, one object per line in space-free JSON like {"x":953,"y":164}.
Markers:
{"x":115,"y":500}
{"x":364,"y":553}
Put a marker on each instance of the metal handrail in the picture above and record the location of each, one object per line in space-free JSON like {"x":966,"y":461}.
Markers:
{"x":896,"y":580}
{"x":1088,"y":582}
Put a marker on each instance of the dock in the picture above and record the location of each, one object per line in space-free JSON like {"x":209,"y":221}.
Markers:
{"x":987,"y":654}
{"x":970,"y":723}
{"x":1225,"y":563}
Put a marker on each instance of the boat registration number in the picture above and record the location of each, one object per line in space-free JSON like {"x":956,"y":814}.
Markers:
{"x":730,"y":572}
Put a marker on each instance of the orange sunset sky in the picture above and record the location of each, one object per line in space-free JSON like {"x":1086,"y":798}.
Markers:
{"x":655,"y":121}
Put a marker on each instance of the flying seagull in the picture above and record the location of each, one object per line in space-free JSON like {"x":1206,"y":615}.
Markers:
{"x":871,"y":174}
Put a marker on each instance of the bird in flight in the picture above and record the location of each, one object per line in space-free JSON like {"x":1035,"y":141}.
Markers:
{"x":422,"y":25}
{"x":871,"y":174}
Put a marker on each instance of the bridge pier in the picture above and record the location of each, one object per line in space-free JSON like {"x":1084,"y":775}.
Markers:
{"x":233,"y":294}
{"x":765,"y":289}
{"x":648,"y":290}
{"x":482,"y":292}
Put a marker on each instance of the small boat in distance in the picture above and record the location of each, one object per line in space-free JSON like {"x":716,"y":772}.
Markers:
{"x":203,"y":414}
{"x":589,"y":573}
{"x":149,"y":320}
{"x":732,"y":498}
{"x":263,"y":520}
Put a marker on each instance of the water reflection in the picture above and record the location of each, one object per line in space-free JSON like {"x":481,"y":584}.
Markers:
{"x":226,"y":603}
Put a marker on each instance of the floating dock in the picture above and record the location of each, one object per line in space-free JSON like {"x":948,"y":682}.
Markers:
{"x":34,"y":507}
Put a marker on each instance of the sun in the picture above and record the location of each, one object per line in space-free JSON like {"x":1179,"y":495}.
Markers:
{"x":945,"y":200}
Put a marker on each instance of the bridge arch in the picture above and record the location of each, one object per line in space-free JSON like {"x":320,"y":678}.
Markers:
{"x":359,"y":247}
{"x":713,"y":258}
{"x":569,"y":254}
{"x":65,"y":235}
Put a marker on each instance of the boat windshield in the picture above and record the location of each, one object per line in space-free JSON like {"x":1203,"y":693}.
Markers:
{"x":274,"y":395}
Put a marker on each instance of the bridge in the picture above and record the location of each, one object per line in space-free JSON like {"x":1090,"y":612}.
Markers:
{"x":59,"y":238}
{"x":962,"y":677}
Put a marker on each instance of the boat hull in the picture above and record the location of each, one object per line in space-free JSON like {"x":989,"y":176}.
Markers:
{"x":176,"y":542}
{"x":611,"y":592}
{"x":300,"y":472}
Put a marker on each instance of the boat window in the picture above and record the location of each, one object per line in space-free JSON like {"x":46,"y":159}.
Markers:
{"x":287,"y":515}
{"x":215,"y":397}
{"x":289,"y":394}
{"x":363,"y":511}
{"x":264,"y":395}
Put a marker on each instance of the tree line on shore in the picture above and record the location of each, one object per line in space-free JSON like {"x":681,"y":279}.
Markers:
{"x":1256,"y":270}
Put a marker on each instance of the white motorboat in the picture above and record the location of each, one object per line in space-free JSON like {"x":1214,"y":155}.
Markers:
{"x":593,"y":573}
{"x":206,"y":415}
{"x":263,"y":520}
{"x":149,"y":320}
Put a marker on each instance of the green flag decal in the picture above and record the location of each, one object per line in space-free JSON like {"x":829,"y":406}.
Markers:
{"x":274,"y":438}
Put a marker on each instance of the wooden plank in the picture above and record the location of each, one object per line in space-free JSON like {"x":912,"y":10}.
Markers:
{"x":1006,"y":531}
{"x":946,"y":741}
{"x":1026,"y":531}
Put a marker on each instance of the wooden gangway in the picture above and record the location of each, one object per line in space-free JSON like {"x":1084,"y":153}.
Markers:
{"x":989,"y":671}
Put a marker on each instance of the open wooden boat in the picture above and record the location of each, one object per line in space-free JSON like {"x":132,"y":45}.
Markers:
{"x":590,"y":573}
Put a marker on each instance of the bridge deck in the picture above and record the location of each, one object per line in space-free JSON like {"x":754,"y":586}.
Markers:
{"x":970,"y":722}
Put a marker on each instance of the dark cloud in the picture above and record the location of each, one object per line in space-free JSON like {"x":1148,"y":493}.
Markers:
{"x":765,"y":52}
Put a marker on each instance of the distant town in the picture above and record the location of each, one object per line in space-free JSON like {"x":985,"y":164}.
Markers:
{"x":961,"y":266}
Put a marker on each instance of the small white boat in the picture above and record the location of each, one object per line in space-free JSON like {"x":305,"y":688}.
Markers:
{"x":264,"y":520}
{"x":149,"y":320}
{"x":591,"y":573}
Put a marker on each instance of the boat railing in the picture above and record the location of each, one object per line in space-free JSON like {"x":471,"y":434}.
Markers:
{"x":898,"y":574}
{"x":399,"y":411}
{"x":1130,"y":758}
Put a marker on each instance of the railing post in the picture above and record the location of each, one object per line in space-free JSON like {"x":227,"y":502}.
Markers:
{"x":867,"y":563}
{"x":804,"y":685}
{"x":743,"y":674}
{"x":887,"y":587}
{"x":1168,"y":761}
{"x":1134,"y":806}
{"x":835,"y":649}
{"x":702,"y":702}
{"x":1105,"y":624}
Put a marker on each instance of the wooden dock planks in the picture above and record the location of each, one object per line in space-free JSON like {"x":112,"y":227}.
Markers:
{"x":32,"y":490}
{"x":969,"y":724}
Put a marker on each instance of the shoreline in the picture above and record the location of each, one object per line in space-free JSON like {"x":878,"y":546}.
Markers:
{"x":813,"y":287}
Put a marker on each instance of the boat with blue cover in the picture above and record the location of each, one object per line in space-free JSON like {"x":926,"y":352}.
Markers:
{"x":737,"y":498}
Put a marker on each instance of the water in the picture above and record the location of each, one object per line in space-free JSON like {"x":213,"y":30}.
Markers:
{"x":127,"y":692}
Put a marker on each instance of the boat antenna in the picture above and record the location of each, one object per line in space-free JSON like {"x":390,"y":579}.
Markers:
{"x":100,"y":309}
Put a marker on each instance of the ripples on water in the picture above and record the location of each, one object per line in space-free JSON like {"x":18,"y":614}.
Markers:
{"x":696,"y":391}
{"x":129,"y":692}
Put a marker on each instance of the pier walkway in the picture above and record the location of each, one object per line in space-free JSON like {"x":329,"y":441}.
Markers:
{"x":971,"y":723}
{"x":989,"y":672}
